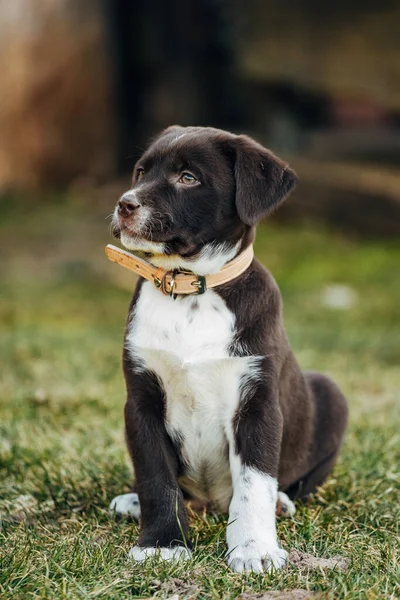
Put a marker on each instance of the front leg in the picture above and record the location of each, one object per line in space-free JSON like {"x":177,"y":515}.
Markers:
{"x":254,"y":459}
{"x":164,"y":523}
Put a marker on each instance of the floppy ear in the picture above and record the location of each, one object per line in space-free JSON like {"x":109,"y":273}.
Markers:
{"x":262,"y":180}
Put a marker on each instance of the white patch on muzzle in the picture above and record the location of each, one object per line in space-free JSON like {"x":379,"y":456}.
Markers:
{"x":134,"y":237}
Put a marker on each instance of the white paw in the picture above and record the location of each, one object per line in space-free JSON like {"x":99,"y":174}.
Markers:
{"x":249,"y":557}
{"x":178,"y":553}
{"x":126,"y":505}
{"x":288,"y":507}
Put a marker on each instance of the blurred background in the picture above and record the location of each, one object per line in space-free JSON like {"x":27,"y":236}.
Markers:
{"x":83,"y":87}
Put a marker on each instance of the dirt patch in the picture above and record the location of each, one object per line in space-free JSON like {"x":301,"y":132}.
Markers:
{"x":304,"y":561}
{"x":285,"y":595}
{"x":177,"y":589}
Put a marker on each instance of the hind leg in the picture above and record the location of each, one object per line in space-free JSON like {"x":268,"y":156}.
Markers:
{"x":331,"y":414}
{"x":285,"y":507}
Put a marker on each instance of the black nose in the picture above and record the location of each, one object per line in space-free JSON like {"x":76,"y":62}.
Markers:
{"x":127,"y":205}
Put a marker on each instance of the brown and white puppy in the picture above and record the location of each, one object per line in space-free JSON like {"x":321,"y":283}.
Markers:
{"x":217,"y":407}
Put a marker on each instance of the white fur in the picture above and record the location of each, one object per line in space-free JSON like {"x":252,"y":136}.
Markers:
{"x":141,"y":245}
{"x":251,"y":532}
{"x":126,"y":505}
{"x":288,"y":507}
{"x":178,"y":137}
{"x":178,"y":553}
{"x":210,"y":260}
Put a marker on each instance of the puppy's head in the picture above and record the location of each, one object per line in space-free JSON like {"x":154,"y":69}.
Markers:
{"x":196,"y":195}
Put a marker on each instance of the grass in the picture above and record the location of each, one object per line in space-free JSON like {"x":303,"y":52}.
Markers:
{"x":62,"y":452}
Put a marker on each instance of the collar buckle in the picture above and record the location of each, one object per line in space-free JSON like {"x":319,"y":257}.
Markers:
{"x":163,"y":285}
{"x":168,"y":288}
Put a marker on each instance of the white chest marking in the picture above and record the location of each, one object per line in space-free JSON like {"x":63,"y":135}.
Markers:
{"x":186,"y":343}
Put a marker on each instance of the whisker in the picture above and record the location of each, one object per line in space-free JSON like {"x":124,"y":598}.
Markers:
{"x":161,"y":224}
{"x":166,"y":214}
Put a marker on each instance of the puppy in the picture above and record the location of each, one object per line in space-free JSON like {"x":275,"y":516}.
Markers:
{"x":217,"y":407}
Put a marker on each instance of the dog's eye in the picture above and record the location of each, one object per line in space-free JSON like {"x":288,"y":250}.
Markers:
{"x":139,"y":173}
{"x":188,"y":179}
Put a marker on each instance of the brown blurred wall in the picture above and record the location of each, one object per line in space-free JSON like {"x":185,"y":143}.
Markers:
{"x":85,"y":83}
{"x":346,"y":49}
{"x":56,"y":117}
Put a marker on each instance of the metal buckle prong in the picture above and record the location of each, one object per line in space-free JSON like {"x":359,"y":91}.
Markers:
{"x":200,"y":284}
{"x":172,"y":286}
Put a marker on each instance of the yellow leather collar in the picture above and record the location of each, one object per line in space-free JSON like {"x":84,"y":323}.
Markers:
{"x":173,"y":283}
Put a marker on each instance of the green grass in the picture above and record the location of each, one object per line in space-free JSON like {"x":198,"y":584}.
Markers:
{"x":62,"y":452}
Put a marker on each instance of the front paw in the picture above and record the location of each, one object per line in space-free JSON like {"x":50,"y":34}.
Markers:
{"x":252,"y":557}
{"x":177,"y":553}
